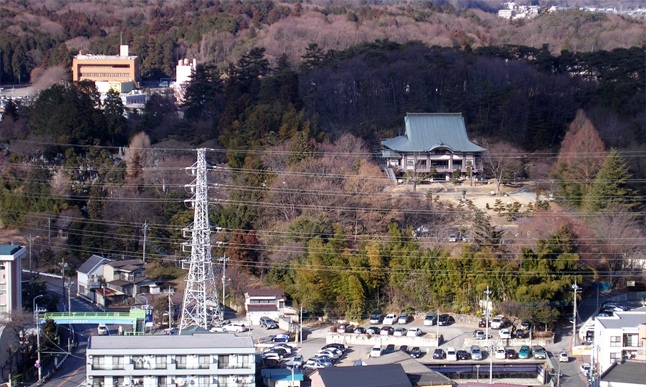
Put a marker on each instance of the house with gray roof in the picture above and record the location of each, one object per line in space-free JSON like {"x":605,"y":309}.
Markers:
{"x":209,"y":359}
{"x":628,"y":374}
{"x":433,"y":142}
{"x":383,"y":375}
{"x":89,"y":277}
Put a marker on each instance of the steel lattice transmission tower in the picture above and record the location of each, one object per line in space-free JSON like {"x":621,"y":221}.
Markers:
{"x":201,"y":305}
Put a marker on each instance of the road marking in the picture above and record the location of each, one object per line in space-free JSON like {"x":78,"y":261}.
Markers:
{"x":69,"y":377}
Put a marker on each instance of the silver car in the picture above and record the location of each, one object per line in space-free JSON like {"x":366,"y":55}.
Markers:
{"x":476,"y":353}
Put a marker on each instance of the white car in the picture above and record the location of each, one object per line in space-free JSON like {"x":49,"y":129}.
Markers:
{"x":496,"y":323}
{"x":400,"y":332}
{"x":453,"y":238}
{"x":476,"y":353}
{"x":414,"y":332}
{"x":234,"y":327}
{"x":272,"y":356}
{"x":296,"y":361}
{"x":328,"y":353}
{"x":500,"y":353}
{"x":564,"y":357}
{"x":451,"y":354}
{"x":585,"y":369}
{"x":403,"y":318}
{"x":505,"y":333}
{"x":390,"y":319}
{"x":102,"y":330}
{"x":375,"y":351}
{"x":314,"y":363}
{"x":430,"y":319}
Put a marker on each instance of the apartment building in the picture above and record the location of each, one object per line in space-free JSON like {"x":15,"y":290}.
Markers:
{"x":620,"y":337}
{"x":10,"y":278}
{"x":199,"y":360}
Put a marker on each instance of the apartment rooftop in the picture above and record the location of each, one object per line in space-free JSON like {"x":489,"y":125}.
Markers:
{"x":161,"y":342}
{"x":623,"y":320}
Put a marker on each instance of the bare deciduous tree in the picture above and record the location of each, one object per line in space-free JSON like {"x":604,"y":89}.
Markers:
{"x":501,"y":161}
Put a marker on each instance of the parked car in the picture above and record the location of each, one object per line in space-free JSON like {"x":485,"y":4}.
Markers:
{"x":453,"y":238}
{"x":324,"y":358}
{"x":386,"y":331}
{"x":539,"y":352}
{"x":414,"y":332}
{"x":360,"y":330}
{"x":523,"y":353}
{"x":504,"y":333}
{"x":463,"y":355}
{"x":373,"y":330}
{"x":564,"y":357}
{"x":340,"y":347}
{"x":316,"y":363}
{"x":585,"y":369}
{"x":439,"y":354}
{"x":267,"y":323}
{"x":445,"y":319}
{"x":345,"y":328}
{"x":476,"y":353}
{"x":281,"y":351}
{"x":511,"y":354}
{"x":234,"y":327}
{"x":500,"y":353}
{"x":520,"y":334}
{"x":400,"y":332}
{"x":526,"y":326}
{"x":415,"y":352}
{"x":403,"y":318}
{"x":288,"y":348}
{"x":102,"y":330}
{"x":497,"y":322}
{"x":375,"y":351}
{"x":482,"y":323}
{"x":390,"y":319}
{"x":329,"y":353}
{"x":271,"y":355}
{"x":296,"y":361}
{"x":430,"y":319}
{"x":479,"y":335}
{"x":451,"y":354}
{"x":280,"y":338}
{"x":376,"y":317}
{"x":403,"y":348}
{"x":390,"y":348}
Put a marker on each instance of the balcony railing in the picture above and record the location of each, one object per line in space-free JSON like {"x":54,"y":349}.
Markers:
{"x":108,"y":367}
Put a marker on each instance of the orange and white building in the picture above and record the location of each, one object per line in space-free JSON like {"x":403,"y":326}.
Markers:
{"x":118,"y":72}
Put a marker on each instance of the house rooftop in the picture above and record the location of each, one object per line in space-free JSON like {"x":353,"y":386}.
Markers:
{"x":425,"y":132}
{"x":418,"y":373}
{"x":262,"y":308}
{"x":384,"y":375}
{"x":627,"y":373}
{"x":204,"y":341}
{"x":91,"y":264}
{"x":623,"y":320}
{"x":278,"y":293}
{"x":9,"y":249}
{"x":128,"y":262}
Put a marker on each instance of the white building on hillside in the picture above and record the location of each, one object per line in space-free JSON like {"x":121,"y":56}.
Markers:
{"x":618,"y":338}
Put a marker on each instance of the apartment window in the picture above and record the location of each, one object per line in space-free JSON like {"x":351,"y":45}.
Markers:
{"x":3,"y":308}
{"x":139,"y":362}
{"x":98,"y":363}
{"x":615,"y":341}
{"x":98,"y":381}
{"x":160,"y":362}
{"x":411,"y":162}
{"x":118,"y":362}
{"x":223,"y":361}
{"x":118,"y":381}
{"x":631,"y":341}
{"x":180,"y":361}
{"x":3,"y":289}
{"x":615,"y":357}
{"x":204,"y":361}
{"x":162,"y":381}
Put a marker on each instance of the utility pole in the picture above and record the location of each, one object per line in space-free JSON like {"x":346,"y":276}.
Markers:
{"x":49,"y":231}
{"x":38,"y":365}
{"x":170,"y":313}
{"x":31,"y":274}
{"x":145,"y":235}
{"x":575,"y":287}
{"x":63,"y":266}
{"x":300,"y":321}
{"x":224,"y":260}
{"x":489,"y":345}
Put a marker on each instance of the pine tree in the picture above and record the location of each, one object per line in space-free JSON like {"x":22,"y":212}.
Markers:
{"x":610,"y":188}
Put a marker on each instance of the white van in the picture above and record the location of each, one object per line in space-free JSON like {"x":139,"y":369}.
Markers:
{"x":376,"y":351}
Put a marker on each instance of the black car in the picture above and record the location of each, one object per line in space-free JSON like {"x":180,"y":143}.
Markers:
{"x":415,"y":352}
{"x":511,"y":354}
{"x":482,"y":323}
{"x":404,"y":348}
{"x":520,"y":334}
{"x":373,"y":330}
{"x":390,"y":348}
{"x":387,"y":331}
{"x":439,"y":354}
{"x":445,"y":319}
{"x":360,"y":330}
{"x":463,"y":355}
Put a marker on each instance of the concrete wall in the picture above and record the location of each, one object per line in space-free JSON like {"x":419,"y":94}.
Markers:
{"x":497,"y":342}
{"x":427,"y":340}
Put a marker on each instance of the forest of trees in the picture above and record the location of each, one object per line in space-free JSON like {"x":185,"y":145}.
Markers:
{"x":301,"y":199}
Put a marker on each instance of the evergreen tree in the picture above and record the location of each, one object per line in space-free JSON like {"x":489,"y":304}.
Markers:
{"x":202,"y":93}
{"x":301,"y":148}
{"x":610,"y":187}
{"x":313,"y":57}
{"x":113,"y":112}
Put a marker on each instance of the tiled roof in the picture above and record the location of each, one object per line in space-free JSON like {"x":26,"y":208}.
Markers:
{"x":261,"y":308}
{"x":91,"y":263}
{"x":266,"y":293}
{"x":428,"y":131}
{"x":385,"y":375}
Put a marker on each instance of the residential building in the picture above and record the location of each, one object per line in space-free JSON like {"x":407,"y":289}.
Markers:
{"x":200,"y":360}
{"x":264,"y":303}
{"x":418,"y":374}
{"x":619,"y":337}
{"x":11,"y":278}
{"x":629,"y":374}
{"x":122,"y":68}
{"x":385,"y":375}
{"x":89,"y":276}
{"x":433,"y":142}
